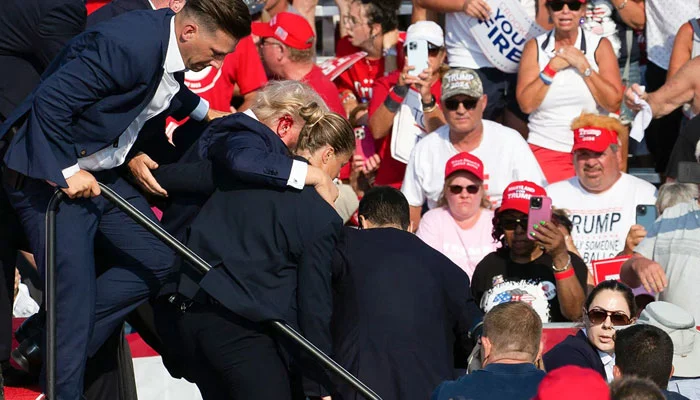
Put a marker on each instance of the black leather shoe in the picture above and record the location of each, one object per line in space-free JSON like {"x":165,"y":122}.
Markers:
{"x":17,"y":378}
{"x":28,"y":356}
{"x":31,"y":327}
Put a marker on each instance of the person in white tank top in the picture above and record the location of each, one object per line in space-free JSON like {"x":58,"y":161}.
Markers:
{"x":563,"y":73}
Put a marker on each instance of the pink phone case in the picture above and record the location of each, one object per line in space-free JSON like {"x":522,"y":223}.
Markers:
{"x":540,"y":210}
{"x":364,"y":143}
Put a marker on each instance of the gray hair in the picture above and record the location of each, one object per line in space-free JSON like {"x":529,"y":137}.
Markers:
{"x":673,"y":193}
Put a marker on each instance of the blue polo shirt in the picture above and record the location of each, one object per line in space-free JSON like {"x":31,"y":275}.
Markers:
{"x":494,"y":382}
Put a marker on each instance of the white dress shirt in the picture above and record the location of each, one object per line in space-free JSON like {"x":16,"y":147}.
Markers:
{"x":297,"y":176}
{"x":114,"y":156}
{"x":608,"y":362}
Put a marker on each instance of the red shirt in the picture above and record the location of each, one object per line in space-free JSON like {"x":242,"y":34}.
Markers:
{"x":391,"y":172}
{"x":325,"y":88}
{"x":360,"y":77}
{"x":243,"y":67}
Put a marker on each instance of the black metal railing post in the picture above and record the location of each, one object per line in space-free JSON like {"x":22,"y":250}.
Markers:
{"x":187,"y":254}
{"x":50,"y":293}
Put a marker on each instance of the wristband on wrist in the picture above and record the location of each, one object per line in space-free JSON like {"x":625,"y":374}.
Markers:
{"x":429,"y":104}
{"x":564,"y":275}
{"x":549,"y":71}
{"x":391,"y":104}
{"x":546,"y":79}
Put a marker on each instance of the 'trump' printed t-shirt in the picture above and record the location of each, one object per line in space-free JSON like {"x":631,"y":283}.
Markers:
{"x":601,"y":221}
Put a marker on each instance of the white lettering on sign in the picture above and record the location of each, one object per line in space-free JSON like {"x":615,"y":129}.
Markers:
{"x":503,"y":36}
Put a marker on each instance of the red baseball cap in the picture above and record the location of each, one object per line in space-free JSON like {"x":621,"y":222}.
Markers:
{"x":593,"y":138}
{"x":465,"y":162}
{"x":517,"y":196}
{"x":572,"y":382}
{"x":291,"y":29}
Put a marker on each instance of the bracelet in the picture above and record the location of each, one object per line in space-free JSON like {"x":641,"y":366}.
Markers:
{"x":564,"y":268}
{"x":427,"y":110}
{"x":622,"y":5}
{"x":347,"y":97}
{"x":431,"y":104}
{"x":546,"y":79}
{"x":549,"y":71}
{"x":563,"y":275}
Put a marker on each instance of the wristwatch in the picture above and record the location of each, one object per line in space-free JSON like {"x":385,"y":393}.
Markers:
{"x":587,"y":72}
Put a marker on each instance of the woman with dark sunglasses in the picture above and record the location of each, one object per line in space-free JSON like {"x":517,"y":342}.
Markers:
{"x":537,"y":269}
{"x":609,"y":305}
{"x":563,"y":73}
{"x":460,"y":226}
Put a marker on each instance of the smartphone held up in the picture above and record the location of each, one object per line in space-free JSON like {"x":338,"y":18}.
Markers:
{"x":540,"y":210}
{"x":417,"y":53}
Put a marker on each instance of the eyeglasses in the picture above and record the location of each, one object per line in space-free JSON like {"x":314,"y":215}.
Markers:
{"x":559,"y":5}
{"x":509,"y":224}
{"x":453,"y":104}
{"x":264,"y":42}
{"x":457,"y":189}
{"x":598,"y":316}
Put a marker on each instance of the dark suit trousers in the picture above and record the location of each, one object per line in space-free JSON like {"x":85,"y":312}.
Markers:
{"x":229,"y":358}
{"x":90,"y":308}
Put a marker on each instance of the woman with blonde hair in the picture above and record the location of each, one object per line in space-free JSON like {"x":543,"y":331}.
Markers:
{"x":460,"y":227}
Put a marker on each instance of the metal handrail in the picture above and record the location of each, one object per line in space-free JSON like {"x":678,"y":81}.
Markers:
{"x":191,"y":257}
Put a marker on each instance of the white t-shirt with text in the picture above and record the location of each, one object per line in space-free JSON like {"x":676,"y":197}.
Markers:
{"x":601,"y":221}
{"x":505,"y":154}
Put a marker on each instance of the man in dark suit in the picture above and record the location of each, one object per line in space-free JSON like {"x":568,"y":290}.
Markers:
{"x":74,"y":129}
{"x":275,"y":244}
{"x":32,"y":33}
{"x":402,"y":311}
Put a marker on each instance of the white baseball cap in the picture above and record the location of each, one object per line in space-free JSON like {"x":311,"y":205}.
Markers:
{"x":426,"y":30}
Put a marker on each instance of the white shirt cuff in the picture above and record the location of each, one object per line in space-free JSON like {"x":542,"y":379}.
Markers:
{"x":201,"y":110}
{"x":297,"y":177}
{"x":70,"y":171}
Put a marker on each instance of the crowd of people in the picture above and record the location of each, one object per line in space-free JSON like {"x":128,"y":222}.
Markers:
{"x":387,"y":213}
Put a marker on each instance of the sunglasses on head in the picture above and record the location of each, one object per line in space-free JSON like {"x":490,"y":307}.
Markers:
{"x":453,"y":104}
{"x":559,"y":5}
{"x":457,"y":189}
{"x":509,"y":224}
{"x":598,"y":316}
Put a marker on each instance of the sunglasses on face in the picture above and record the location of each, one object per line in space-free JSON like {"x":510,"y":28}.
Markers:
{"x":559,"y":5}
{"x":457,"y":189}
{"x":453,"y":104}
{"x":598,"y":316}
{"x":509,"y":224}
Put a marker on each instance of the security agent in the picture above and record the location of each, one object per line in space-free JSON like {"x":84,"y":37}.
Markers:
{"x":402,"y":310}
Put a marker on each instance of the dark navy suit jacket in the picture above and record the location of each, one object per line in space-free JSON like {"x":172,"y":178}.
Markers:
{"x":401,"y":309}
{"x":574,"y":350}
{"x":32,"y":33}
{"x":114,"y":8}
{"x":235,"y":147}
{"x":89,"y":95}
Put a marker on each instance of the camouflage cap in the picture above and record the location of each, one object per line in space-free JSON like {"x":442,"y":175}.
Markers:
{"x":462,"y":81}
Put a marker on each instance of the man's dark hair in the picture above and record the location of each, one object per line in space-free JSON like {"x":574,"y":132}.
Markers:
{"x":635,"y":388}
{"x":231,"y":16}
{"x":645,"y":351}
{"x":382,"y":12}
{"x":384,"y":205}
